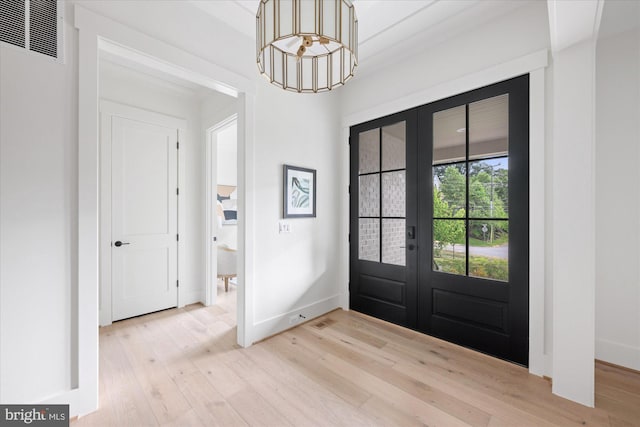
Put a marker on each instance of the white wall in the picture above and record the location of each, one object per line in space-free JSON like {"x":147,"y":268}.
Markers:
{"x":618,"y":206}
{"x":127,"y":86}
{"x":298,"y":269}
{"x":511,"y":36}
{"x":38,"y":196}
{"x":228,"y":156}
{"x":38,"y":221}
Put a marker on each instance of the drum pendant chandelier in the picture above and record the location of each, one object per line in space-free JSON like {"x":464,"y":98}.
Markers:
{"x":307,"y":46}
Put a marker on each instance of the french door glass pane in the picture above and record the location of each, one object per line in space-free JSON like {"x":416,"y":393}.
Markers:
{"x":394,"y":147}
{"x":489,"y":127}
{"x":449,"y":246}
{"x":449,"y":190}
{"x":393,"y":241}
{"x":369,"y":151}
{"x":394,"y":193}
{"x":369,"y":236}
{"x":489,"y":188}
{"x":370,"y":195}
{"x":449,"y":135}
{"x":382,"y":194}
{"x":489,"y":249}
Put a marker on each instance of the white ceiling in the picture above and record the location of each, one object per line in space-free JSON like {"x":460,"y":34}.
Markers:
{"x":386,"y":27}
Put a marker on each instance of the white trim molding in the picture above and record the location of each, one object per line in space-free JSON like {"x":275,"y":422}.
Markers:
{"x":282,"y":322}
{"x":618,"y":353}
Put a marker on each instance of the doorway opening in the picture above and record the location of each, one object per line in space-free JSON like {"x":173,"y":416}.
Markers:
{"x":222,"y":213}
{"x":164,"y":181}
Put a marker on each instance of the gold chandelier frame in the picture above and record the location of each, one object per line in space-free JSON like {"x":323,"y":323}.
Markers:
{"x":286,"y":31}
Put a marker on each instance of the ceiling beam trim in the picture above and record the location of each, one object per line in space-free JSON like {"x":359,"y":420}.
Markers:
{"x":571,"y":22}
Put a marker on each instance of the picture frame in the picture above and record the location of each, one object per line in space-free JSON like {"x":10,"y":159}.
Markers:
{"x":299,"y":192}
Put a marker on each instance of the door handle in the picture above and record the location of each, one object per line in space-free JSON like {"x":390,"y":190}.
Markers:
{"x":119,"y":243}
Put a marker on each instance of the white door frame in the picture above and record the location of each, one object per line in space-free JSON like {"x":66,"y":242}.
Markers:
{"x":97,"y":33}
{"x":108,"y":110}
{"x":211,"y":157}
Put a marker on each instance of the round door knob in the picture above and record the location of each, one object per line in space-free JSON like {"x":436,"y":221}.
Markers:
{"x":411,"y":247}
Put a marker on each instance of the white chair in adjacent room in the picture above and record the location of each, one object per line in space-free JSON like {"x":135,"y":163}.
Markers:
{"x":227,"y":264}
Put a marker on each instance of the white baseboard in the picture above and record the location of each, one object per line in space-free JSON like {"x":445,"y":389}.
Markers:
{"x":71,"y":398}
{"x":277,"y":324}
{"x":618,"y":354}
{"x":191,"y":296}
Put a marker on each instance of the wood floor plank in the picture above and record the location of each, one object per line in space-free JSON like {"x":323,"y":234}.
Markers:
{"x":366,"y":362}
{"x":255,"y":410}
{"x":335,"y":411}
{"x":161,"y":392}
{"x":209,"y":405}
{"x":298,"y":356}
{"x":183,"y":367}
{"x":429,"y":414}
{"x":389,"y":415}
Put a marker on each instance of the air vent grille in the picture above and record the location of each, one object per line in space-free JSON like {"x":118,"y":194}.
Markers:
{"x":12,"y":21}
{"x":31,"y":24}
{"x":43,"y":25}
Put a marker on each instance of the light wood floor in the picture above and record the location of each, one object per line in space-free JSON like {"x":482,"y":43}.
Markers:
{"x":182,"y":367}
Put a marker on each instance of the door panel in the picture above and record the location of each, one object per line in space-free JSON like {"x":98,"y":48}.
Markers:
{"x":439,"y":223}
{"x":474,"y":262}
{"x":144,"y":218}
{"x":383,"y":205}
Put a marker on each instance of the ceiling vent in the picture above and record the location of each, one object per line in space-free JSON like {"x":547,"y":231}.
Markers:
{"x":34,"y":25}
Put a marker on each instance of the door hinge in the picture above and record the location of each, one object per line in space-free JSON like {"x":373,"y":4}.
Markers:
{"x":349,"y":140}
{"x":349,"y":237}
{"x":177,"y":191}
{"x":177,"y":283}
{"x":177,"y":145}
{"x":177,"y":237}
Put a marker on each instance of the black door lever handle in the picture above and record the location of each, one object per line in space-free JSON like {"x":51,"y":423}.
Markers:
{"x":119,"y":243}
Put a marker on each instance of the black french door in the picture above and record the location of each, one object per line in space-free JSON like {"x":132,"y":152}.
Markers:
{"x":439,"y":219}
{"x":384,"y":209}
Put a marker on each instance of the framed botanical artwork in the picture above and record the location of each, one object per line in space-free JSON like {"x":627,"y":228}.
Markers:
{"x":299,"y":192}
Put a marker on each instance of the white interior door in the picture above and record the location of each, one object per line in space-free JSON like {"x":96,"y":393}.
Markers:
{"x":144,"y":245}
